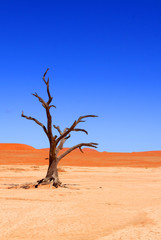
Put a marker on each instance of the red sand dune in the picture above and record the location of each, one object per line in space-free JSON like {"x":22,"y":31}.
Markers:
{"x":15,"y":146}
{"x":11,"y":153}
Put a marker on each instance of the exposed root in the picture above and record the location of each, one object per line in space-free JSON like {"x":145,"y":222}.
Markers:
{"x":41,"y":183}
{"x":36,"y":185}
{"x":52,"y":181}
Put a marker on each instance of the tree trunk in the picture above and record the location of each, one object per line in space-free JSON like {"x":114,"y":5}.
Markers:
{"x":52,"y":172}
{"x":52,"y":169}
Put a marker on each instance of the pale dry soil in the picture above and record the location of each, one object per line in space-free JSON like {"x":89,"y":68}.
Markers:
{"x":99,"y":204}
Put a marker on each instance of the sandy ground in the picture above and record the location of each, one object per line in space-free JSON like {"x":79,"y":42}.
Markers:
{"x":100,"y":204}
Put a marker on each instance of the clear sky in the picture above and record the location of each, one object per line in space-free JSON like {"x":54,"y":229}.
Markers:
{"x":104,"y":59}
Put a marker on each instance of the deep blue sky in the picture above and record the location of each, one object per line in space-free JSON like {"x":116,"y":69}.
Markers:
{"x":104,"y":59}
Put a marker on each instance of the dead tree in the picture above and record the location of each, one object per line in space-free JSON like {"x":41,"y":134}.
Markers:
{"x":57,"y":142}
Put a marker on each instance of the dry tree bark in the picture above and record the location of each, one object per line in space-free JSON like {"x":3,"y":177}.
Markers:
{"x":57,"y":142}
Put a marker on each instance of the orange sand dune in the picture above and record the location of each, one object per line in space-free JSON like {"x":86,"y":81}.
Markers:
{"x":24,"y":154}
{"x":15,"y":146}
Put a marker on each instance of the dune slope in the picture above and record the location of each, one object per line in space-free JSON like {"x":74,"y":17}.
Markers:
{"x":24,"y":154}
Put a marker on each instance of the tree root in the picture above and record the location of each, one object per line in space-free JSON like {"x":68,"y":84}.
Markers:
{"x":39,"y":183}
{"x":52,"y":181}
{"x":45,"y":181}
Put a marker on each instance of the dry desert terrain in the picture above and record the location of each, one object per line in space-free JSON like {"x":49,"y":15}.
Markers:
{"x":111,"y":196}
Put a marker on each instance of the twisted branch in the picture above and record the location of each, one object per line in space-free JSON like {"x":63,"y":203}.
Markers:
{"x":79,"y":130}
{"x":94,"y":145}
{"x":72,"y":128}
{"x":35,"y":120}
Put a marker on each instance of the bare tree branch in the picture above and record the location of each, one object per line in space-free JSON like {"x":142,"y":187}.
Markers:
{"x":45,"y":75}
{"x":86,"y":116}
{"x":52,"y":106}
{"x":73,"y":127}
{"x":94,"y":145}
{"x":62,"y":140}
{"x":79,"y":129}
{"x":49,"y":125}
{"x":35,"y":120}
{"x":81,"y":149}
{"x":49,"y":118}
{"x":44,"y":104}
{"x":40,"y":99}
{"x":47,"y":84}
{"x":60,"y":146}
{"x":67,"y":136}
{"x":58,"y":128}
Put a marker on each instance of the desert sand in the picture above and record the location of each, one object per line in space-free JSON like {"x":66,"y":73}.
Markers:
{"x":101,"y":202}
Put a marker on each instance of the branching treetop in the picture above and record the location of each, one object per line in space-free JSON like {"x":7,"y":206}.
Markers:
{"x":58,"y":142}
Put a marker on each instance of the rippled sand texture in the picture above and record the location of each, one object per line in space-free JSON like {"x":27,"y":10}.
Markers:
{"x":101,"y":203}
